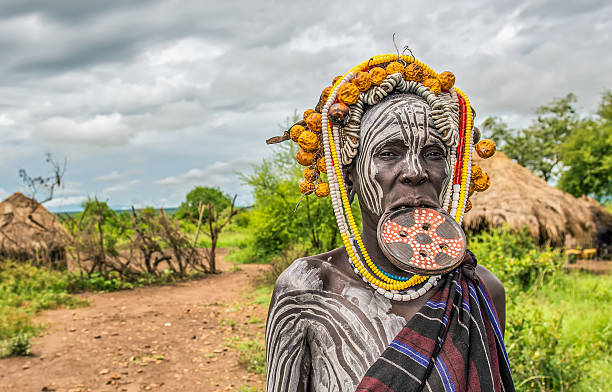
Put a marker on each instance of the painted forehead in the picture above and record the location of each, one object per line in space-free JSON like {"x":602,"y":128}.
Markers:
{"x":398,"y":117}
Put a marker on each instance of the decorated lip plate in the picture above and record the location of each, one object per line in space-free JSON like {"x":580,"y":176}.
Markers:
{"x":422,"y":240}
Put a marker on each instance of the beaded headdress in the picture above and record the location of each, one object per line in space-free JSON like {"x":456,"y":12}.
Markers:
{"x":329,"y":138}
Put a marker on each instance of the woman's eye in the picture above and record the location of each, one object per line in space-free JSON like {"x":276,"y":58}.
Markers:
{"x":387,"y":154}
{"x":434,"y":153}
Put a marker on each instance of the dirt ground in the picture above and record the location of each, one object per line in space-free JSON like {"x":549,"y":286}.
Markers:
{"x":170,"y":338}
{"x":593,"y":266}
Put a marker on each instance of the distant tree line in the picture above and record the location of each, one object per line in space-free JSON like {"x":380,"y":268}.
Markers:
{"x":564,"y":149}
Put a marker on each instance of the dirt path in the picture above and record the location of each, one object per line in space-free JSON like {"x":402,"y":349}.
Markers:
{"x":171,"y":338}
{"x":593,"y":266}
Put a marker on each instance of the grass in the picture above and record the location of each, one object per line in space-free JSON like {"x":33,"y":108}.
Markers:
{"x":558,"y":334}
{"x":251,"y":353}
{"x":584,"y":304}
{"x":227,"y":239}
{"x":250,"y":346}
{"x":24,"y":291}
{"x":262,"y":295}
{"x":231,"y":237}
{"x":247,"y":388}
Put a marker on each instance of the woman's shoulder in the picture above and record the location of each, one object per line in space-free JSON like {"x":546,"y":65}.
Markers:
{"x":494,"y":286}
{"x":496,"y":290}
{"x":309,"y":273}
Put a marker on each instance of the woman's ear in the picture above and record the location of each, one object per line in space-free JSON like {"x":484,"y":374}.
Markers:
{"x":348,"y":175}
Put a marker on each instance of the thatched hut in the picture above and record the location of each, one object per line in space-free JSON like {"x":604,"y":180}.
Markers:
{"x":28,"y":231}
{"x":518,"y":198}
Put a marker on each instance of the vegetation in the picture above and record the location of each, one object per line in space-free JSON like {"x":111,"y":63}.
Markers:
{"x":252,"y":353}
{"x":560,"y":146}
{"x":276,"y":221}
{"x":555,"y":339}
{"x":200,"y":195}
{"x":210,"y":211}
{"x":133,"y":246}
{"x":586,"y":155}
{"x":19,"y":345}
{"x":24,"y":291}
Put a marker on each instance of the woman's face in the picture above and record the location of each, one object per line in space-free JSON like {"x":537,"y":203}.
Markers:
{"x":401,"y":161}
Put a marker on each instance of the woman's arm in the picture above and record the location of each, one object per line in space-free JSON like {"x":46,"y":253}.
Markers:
{"x":287,"y":350}
{"x":496,"y":291}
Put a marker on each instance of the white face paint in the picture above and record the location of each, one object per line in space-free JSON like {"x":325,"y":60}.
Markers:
{"x":400,"y":117}
{"x":336,"y":336}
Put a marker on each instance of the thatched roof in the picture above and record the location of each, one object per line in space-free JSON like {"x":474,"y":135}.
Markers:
{"x":29,"y":230}
{"x":518,"y":198}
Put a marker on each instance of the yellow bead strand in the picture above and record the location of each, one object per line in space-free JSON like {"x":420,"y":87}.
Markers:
{"x":466,"y":156}
{"x":386,"y":282}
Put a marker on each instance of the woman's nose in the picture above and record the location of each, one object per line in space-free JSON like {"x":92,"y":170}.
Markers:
{"x":413,"y":173}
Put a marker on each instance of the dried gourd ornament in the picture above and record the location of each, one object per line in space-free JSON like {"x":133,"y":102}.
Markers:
{"x":425,"y":242}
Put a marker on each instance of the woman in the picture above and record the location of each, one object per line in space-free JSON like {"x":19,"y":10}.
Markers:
{"x":400,"y":137}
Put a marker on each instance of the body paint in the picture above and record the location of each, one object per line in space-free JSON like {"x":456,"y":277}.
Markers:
{"x":405,"y":117}
{"x":337,"y":335}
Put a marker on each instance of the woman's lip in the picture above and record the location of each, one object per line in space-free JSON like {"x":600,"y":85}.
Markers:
{"x":412,"y":204}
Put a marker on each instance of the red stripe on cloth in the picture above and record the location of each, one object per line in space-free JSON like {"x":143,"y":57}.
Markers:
{"x":473,"y":380}
{"x":454,"y":362}
{"x":372,"y":384}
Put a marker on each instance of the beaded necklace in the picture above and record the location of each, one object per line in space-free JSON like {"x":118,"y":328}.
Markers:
{"x":453,"y":117}
{"x":388,"y":274}
{"x":387,"y":285}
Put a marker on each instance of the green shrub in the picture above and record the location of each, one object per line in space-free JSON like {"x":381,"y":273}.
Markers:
{"x":283,"y":260}
{"x":252,"y":354}
{"x":515,"y":258}
{"x":24,"y":291}
{"x":19,"y":345}
{"x":97,"y":282}
{"x":558,"y":324}
{"x":274,"y":223}
{"x":115,"y":281}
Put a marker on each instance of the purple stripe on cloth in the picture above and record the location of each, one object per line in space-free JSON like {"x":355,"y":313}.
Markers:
{"x":409,"y":351}
{"x":443,"y":371}
{"x":457,"y":346}
{"x":496,"y":327}
{"x":372,"y":384}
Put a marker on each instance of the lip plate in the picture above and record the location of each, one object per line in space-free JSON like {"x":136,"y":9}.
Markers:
{"x":401,"y":260}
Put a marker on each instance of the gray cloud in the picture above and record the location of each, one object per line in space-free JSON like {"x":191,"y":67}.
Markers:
{"x":101,"y":130}
{"x":150,"y":98}
{"x":110,"y":177}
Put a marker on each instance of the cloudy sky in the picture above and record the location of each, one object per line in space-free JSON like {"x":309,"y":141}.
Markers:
{"x":148,"y":99}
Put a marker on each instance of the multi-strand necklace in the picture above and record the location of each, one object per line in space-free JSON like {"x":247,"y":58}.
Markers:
{"x":389,"y":285}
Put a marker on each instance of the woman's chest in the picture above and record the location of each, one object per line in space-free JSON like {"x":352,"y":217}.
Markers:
{"x":346,"y":334}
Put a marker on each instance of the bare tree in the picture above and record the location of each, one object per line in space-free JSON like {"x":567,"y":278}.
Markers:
{"x":149,"y":240}
{"x":35,"y":185}
{"x":46,"y":240}
{"x":215,"y":227}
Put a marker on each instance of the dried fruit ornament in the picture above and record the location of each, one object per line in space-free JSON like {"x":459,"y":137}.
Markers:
{"x":332,"y":140}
